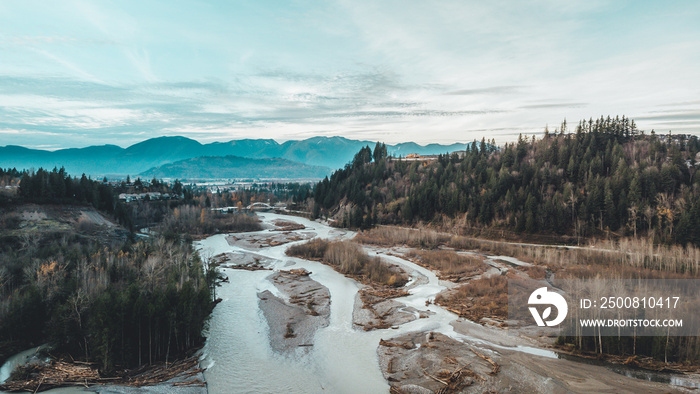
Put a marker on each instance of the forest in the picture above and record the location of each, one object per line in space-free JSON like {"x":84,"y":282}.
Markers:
{"x":605,"y":179}
{"x":636,"y":194}
{"x":117,"y":302}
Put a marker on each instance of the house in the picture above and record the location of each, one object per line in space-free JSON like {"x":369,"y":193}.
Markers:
{"x":417,"y":157}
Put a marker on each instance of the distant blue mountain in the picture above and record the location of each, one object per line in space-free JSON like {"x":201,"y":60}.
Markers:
{"x":331,"y":152}
{"x":234,"y":167}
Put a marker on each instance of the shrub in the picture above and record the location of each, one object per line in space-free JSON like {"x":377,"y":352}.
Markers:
{"x":349,"y":259}
{"x":449,"y":264}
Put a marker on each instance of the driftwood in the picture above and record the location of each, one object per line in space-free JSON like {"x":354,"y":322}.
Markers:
{"x":405,"y":345}
{"x":494,"y":366}
{"x":63,"y":373}
{"x":643,"y":362}
{"x":195,"y":382}
{"x":54,"y":374}
{"x":395,"y":390}
{"x":249,"y":267}
{"x":373,"y":295}
{"x":453,"y":381}
{"x":295,"y":272}
{"x":283,"y":225}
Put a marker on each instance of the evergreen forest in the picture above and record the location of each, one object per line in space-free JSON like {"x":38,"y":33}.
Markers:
{"x":604,"y":179}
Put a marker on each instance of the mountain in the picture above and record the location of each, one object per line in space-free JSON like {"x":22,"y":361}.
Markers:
{"x":245,"y":148}
{"x":234,"y":167}
{"x":90,"y":160}
{"x":431,"y":149}
{"x":332,"y":152}
{"x":105,"y":159}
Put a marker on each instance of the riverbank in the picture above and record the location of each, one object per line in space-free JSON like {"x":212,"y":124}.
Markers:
{"x":42,"y":374}
{"x":429,"y":362}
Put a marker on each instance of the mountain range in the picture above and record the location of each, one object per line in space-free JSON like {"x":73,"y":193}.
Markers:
{"x":330,"y":152}
{"x":225,"y":167}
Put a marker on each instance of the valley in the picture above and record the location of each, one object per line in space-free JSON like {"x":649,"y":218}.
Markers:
{"x":427,"y":197}
{"x":421,"y":351}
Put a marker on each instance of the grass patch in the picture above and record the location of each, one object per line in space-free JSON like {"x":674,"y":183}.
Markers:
{"x":349,"y":259}
{"x":624,"y":258}
{"x":390,"y":236}
{"x":483,"y":297}
{"x":448,"y":264}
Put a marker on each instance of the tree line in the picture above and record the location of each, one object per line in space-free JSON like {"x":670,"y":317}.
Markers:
{"x":605,"y":178}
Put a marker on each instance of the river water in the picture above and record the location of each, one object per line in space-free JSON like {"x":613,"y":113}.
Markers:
{"x":17,"y":360}
{"x":238,"y":355}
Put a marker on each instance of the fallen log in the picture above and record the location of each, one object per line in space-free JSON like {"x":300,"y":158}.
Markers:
{"x":494,"y":366}
{"x":250,"y":267}
{"x":60,"y":373}
{"x":395,"y":390}
{"x":404,"y":345}
{"x":455,"y":381}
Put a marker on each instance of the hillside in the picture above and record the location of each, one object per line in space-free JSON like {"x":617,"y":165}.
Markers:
{"x":606,"y":179}
{"x":72,"y":277}
{"x":332,"y":152}
{"x":234,"y":167}
{"x":34,"y":221}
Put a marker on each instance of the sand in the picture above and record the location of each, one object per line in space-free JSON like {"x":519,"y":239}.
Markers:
{"x":257,"y":240}
{"x":412,"y":362}
{"x":293,"y":321}
{"x":383,"y":314}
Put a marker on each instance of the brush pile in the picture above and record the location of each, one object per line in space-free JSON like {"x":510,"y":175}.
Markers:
{"x":41,"y":377}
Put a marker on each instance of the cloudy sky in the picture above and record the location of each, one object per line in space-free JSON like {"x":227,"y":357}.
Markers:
{"x":77,"y":73}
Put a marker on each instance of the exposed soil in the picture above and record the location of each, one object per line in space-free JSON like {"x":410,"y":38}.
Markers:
{"x":435,"y":363}
{"x":237,"y":260}
{"x":294,"y":322}
{"x":257,"y":240}
{"x":376,"y":309}
{"x":285,"y":225}
{"x":35,"y":221}
{"x":432,"y":362}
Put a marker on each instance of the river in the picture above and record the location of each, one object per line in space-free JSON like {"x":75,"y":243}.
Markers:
{"x":17,"y":360}
{"x":238,"y":355}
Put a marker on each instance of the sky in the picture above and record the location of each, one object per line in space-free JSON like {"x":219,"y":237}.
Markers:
{"x":75,"y":73}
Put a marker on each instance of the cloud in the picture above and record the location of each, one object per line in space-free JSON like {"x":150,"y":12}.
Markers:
{"x":554,"y":105}
{"x":488,"y":90}
{"x":67,"y":64}
{"x":693,"y":115}
{"x":141,"y":60}
{"x":432,"y":71}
